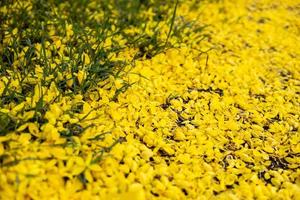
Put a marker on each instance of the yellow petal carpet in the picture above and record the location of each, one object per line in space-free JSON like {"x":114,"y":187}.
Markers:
{"x":210,"y":119}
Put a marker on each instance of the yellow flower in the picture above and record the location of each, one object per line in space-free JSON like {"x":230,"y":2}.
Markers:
{"x":57,"y":41}
{"x":81,"y":75}
{"x":69,"y":30}
{"x":15,"y":31}
{"x":179,"y":135}
{"x":50,"y":117}
{"x":33,"y":129}
{"x":50,"y":132}
{"x":86,"y":59}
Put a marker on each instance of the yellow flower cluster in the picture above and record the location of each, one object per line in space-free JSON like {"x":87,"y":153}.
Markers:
{"x":215,"y":118}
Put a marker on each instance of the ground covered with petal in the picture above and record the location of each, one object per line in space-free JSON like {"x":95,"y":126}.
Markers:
{"x":204,"y":105}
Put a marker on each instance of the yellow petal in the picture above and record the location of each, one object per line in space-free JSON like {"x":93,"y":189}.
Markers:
{"x":88,"y":176}
{"x":80,"y":76}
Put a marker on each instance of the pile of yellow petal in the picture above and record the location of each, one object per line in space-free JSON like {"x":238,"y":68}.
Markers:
{"x":217,"y":119}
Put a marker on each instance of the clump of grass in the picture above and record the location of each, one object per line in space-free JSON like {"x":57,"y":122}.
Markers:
{"x":91,"y":35}
{"x":68,"y":48}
